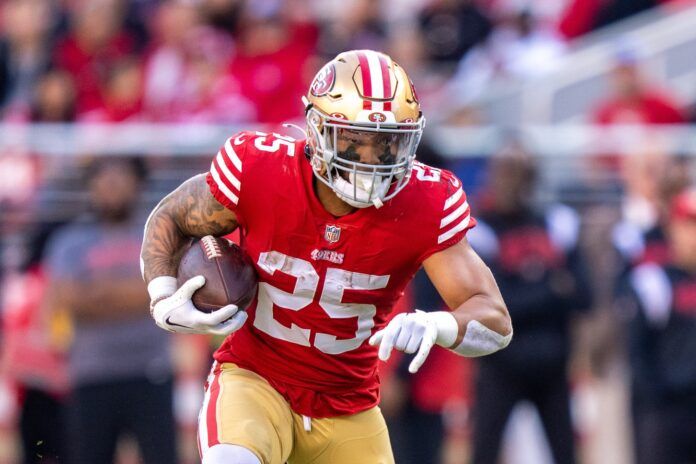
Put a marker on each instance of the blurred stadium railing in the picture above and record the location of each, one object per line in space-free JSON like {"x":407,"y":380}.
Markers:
{"x":41,"y":164}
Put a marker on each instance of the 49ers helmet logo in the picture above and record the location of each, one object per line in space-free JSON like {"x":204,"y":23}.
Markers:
{"x":324,"y":81}
{"x":377,"y":117}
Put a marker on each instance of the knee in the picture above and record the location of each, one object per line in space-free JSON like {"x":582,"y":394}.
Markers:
{"x":229,"y":454}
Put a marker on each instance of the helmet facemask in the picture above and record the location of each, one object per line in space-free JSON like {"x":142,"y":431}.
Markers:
{"x":337,"y":164}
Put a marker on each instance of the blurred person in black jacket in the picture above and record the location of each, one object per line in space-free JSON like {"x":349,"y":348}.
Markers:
{"x":661,"y":298}
{"x":534,"y":257}
{"x":640,"y":237}
{"x":650,"y":183}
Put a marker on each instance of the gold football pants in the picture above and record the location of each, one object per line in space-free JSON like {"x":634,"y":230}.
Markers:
{"x":242,"y":408}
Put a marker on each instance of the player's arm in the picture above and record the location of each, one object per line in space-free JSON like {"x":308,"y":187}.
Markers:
{"x":478,"y":323}
{"x":467,"y":286}
{"x":188,"y":212}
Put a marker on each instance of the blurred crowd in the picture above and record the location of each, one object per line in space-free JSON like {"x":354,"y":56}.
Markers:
{"x":226,"y":61}
{"x":602,"y":296}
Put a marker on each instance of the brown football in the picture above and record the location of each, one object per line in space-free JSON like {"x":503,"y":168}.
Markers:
{"x":230,"y":277}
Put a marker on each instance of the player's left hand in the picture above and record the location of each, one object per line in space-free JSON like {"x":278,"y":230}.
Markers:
{"x":411,"y":332}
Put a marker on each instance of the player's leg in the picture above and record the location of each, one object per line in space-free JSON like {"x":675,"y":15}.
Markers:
{"x":240,"y":408}
{"x":230,"y":454}
{"x":361,"y":437}
{"x":148,"y":407}
{"x":495,"y":396}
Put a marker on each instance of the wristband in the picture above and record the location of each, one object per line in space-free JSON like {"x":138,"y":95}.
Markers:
{"x":161,"y":287}
{"x":447,"y":328}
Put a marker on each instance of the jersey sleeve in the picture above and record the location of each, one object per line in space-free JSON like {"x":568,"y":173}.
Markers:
{"x":225,"y":176}
{"x":450,"y":215}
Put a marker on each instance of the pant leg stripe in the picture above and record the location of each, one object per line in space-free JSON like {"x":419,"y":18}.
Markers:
{"x":211,"y":413}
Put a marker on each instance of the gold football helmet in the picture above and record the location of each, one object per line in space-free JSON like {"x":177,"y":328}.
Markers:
{"x":363,"y":94}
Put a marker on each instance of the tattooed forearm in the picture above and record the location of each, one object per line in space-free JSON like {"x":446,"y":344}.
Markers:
{"x":189,"y":211}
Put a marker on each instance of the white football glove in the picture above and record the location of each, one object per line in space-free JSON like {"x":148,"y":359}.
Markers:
{"x":174,"y":311}
{"x":418,"y":331}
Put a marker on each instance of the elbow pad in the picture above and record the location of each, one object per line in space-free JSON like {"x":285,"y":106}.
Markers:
{"x":479,"y":340}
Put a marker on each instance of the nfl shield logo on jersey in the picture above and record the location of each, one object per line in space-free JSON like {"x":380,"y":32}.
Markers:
{"x":332,"y":234}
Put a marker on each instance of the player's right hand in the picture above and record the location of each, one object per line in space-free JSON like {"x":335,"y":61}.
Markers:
{"x":176,"y":312}
{"x":407,"y":332}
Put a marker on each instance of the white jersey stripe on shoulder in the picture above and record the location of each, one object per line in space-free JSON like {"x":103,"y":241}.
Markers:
{"x":226,"y":171}
{"x":453,"y":199}
{"x":454,"y":214}
{"x":450,"y":233}
{"x":233,"y":156}
{"x":375,"y":74}
{"x":221,"y":185}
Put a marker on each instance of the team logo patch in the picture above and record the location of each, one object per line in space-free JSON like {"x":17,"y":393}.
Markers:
{"x":339,"y":116}
{"x":377,"y":117}
{"x":332,"y":234}
{"x":324,"y":80}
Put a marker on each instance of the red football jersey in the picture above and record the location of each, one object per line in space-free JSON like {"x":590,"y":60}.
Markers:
{"x":326,"y":284}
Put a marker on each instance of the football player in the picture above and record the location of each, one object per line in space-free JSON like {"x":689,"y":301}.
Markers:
{"x":336,"y":225}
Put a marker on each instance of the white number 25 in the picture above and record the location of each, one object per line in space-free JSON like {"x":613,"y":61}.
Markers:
{"x":336,"y":281}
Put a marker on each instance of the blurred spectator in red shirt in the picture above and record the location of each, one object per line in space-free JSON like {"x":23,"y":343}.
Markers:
{"x":273,"y":57}
{"x":187,"y":75}
{"x":24,"y":51}
{"x":165,"y":66}
{"x":210,"y":94}
{"x":632,"y":101}
{"x":94,"y":42}
{"x":121,"y":96}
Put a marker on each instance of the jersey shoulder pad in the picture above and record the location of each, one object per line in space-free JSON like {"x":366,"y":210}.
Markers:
{"x":445,"y":205}
{"x":233,"y":169}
